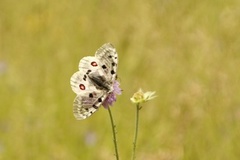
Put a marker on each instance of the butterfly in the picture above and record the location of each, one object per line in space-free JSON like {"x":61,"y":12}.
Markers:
{"x":94,"y":81}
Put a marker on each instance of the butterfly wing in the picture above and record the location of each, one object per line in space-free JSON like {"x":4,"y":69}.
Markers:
{"x":84,"y":106}
{"x":108,"y":59}
{"x":88,"y":99}
{"x":89,"y":64}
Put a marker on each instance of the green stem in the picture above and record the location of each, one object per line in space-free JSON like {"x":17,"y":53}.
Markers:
{"x":114,"y":134}
{"x":136,"y":132}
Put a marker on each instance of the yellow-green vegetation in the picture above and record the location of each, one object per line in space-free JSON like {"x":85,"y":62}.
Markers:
{"x":187,"y":51}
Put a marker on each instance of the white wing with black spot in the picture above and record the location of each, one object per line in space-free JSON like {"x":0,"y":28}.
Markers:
{"x":84,"y":106}
{"x":94,"y":81}
{"x":88,"y":99}
{"x":108,"y":58}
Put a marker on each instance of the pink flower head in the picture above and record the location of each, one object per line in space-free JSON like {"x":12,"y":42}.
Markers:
{"x":112,"y":97}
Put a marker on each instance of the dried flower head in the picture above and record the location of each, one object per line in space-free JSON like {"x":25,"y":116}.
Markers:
{"x":141,"y":97}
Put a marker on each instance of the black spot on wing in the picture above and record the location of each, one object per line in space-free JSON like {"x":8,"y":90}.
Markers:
{"x":104,"y":66}
{"x":89,"y":71}
{"x":99,"y":100}
{"x":91,"y":95}
{"x":94,"y":106}
{"x":84,"y":77}
{"x":112,"y":72}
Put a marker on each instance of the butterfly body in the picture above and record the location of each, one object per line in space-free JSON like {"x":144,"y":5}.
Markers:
{"x":100,"y":82}
{"x":94,"y":81}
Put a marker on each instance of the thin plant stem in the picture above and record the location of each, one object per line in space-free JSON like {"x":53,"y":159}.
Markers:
{"x":136,"y":132}
{"x":114,"y":134}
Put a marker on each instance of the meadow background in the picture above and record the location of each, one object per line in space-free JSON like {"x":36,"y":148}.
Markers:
{"x":187,"y":51}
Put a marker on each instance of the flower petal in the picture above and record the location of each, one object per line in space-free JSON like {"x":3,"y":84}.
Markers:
{"x":141,"y":97}
{"x":112,"y":97}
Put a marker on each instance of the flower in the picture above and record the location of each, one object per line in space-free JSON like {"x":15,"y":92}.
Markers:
{"x":141,"y":97}
{"x":112,"y":97}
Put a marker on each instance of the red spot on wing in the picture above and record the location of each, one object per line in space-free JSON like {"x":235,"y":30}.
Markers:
{"x":82,"y":87}
{"x":94,"y":64}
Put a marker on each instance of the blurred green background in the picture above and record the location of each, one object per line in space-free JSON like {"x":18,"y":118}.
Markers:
{"x":187,"y":51}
